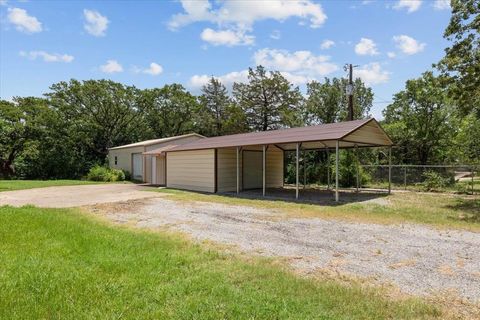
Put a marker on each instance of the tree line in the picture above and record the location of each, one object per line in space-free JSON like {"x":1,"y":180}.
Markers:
{"x":435,"y":119}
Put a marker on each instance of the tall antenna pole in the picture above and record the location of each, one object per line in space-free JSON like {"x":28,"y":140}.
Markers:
{"x":350,"y":96}
{"x":349,"y":89}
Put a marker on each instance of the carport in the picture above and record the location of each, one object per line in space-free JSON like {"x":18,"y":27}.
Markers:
{"x":331,"y":137}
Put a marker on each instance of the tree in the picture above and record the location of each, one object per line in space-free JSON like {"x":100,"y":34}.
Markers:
{"x":327,"y":102}
{"x":98,"y":113}
{"x":420,"y":121}
{"x":269,"y":100}
{"x":215,"y":101}
{"x":461,"y":64}
{"x":22,"y":123}
{"x":169,"y":111}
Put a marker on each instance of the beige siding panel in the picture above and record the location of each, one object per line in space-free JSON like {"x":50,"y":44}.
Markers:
{"x":124,"y":158}
{"x":368,"y":133}
{"x":161,"y":170}
{"x":252,"y":170}
{"x":274,"y":170}
{"x":227,"y":170}
{"x":191,"y":170}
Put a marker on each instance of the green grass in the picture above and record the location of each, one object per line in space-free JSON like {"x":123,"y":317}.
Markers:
{"x":60,"y":263}
{"x":10,"y":185}
{"x":438,"y":210}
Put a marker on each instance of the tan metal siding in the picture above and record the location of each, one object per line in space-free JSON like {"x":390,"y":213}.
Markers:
{"x":161,"y":170}
{"x":191,"y":170}
{"x":370,"y":133}
{"x":124,"y":158}
{"x":227,"y":170}
{"x":274,"y":171}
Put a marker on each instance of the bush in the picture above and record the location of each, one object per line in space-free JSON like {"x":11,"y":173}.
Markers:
{"x":434,"y":181}
{"x":99,"y":173}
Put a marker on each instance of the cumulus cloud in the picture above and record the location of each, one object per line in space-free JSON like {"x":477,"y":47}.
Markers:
{"x":47,"y":57}
{"x":241,"y":15}
{"x":95,"y":23}
{"x":410,"y":5}
{"x":408,"y":45}
{"x":441,"y":4}
{"x":154,"y":69}
{"x":226,"y":37}
{"x":372,"y":73}
{"x":112,"y":66}
{"x":366,"y":47}
{"x":23,"y":21}
{"x":327,"y":44}
{"x":303,"y":63}
{"x":197,"y":81}
{"x":391,"y":54}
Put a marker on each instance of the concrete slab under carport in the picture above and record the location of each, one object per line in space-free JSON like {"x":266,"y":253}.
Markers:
{"x":314,"y":195}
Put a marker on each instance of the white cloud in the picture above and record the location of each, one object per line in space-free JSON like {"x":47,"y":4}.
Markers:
{"x":441,"y":4}
{"x":303,"y":63}
{"x":391,"y":54}
{"x":243,"y":14}
{"x":3,"y":2}
{"x":112,"y":66}
{"x":408,"y":45}
{"x":95,"y":23}
{"x":226,"y":37}
{"x":47,"y":57}
{"x":23,"y":22}
{"x":366,"y":47}
{"x":154,"y":69}
{"x":228,"y":79}
{"x":275,"y":35}
{"x":372,"y":73}
{"x":410,"y":5}
{"x":327,"y":44}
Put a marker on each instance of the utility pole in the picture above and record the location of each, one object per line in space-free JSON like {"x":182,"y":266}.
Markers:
{"x":349,"y":89}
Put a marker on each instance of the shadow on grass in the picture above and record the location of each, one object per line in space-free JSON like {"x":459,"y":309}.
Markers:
{"x":469,"y":209}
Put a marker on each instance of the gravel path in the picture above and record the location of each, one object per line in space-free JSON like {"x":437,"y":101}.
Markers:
{"x":419,"y":260}
{"x":73,"y":196}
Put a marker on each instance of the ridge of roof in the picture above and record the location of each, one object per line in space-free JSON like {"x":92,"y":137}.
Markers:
{"x":155,"y":141}
{"x":328,"y":131}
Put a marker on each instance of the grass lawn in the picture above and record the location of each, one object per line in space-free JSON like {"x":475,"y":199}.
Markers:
{"x":10,"y":185}
{"x":439,"y":210}
{"x":60,"y":263}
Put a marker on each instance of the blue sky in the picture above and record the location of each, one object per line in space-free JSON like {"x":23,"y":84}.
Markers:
{"x":152,"y":43}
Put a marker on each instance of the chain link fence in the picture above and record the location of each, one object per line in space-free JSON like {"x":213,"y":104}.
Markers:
{"x":444,"y":178}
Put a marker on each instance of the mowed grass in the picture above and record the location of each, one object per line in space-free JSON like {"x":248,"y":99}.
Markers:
{"x":438,"y":210}
{"x":60,"y":263}
{"x":10,"y":185}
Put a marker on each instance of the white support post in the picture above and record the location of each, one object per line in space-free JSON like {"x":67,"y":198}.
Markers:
{"x":238,"y":170}
{"x":304,"y":169}
{"x":264,"y":165}
{"x":390,"y":170}
{"x":357,"y":166}
{"x":336,"y":170}
{"x":296,"y":170}
{"x":328,"y":169}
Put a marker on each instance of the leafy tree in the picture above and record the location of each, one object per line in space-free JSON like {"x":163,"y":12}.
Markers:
{"x":327,"y":102}
{"x":466,"y":145}
{"x":22,"y":123}
{"x":461,"y":63}
{"x":98,"y":113}
{"x":169,"y":111}
{"x":420,"y":121}
{"x":269,"y":100}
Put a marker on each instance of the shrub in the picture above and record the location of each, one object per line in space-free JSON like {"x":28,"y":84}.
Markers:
{"x":99,"y":173}
{"x":434,"y":181}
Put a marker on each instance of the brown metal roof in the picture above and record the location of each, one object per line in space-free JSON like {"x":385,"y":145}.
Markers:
{"x":161,"y":150}
{"x":324,"y":132}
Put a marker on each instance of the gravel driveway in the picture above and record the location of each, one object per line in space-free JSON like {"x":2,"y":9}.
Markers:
{"x":74,"y":196}
{"x":419,"y":260}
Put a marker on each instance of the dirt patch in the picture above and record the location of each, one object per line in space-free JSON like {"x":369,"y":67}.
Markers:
{"x":75,"y":196}
{"x":409,"y":256}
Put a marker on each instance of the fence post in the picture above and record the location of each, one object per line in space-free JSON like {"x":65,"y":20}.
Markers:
{"x":390,"y":170}
{"x":405,"y":177}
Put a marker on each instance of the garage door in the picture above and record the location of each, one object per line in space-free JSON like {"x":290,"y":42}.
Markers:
{"x":252,"y":169}
{"x":137,"y":161}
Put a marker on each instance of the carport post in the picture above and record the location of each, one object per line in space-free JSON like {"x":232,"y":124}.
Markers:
{"x":304,"y":169}
{"x":336,"y":170}
{"x":328,"y":169}
{"x":264,"y":165}
{"x":238,"y":170}
{"x":296,"y":170}
{"x":390,"y":170}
